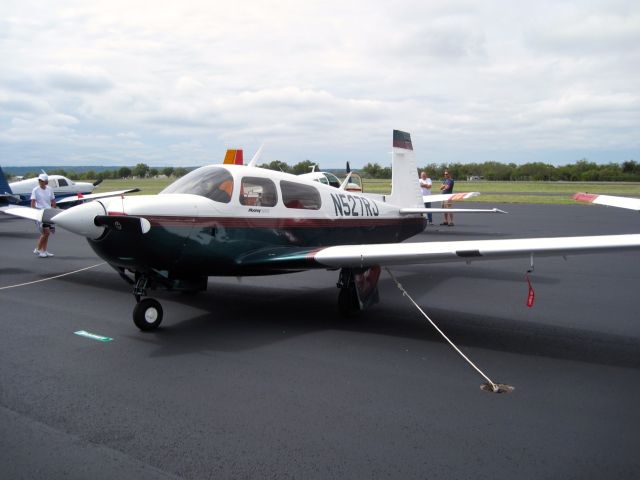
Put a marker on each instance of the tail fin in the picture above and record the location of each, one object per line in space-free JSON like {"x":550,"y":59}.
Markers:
{"x":4,"y":186}
{"x":233,"y":157}
{"x":405,"y":189}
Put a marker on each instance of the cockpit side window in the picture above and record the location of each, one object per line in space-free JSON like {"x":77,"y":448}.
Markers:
{"x":332,"y":179}
{"x":215,"y":183}
{"x":62,"y":182}
{"x":297,"y":195}
{"x":258,"y":191}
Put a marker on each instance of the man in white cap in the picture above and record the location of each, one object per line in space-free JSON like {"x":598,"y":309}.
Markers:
{"x":42,"y":197}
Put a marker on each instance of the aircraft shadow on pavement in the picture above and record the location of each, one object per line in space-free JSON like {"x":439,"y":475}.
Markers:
{"x":233,"y":323}
{"x":246,"y":316}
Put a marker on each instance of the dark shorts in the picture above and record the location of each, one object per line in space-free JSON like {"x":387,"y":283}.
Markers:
{"x":42,"y":226}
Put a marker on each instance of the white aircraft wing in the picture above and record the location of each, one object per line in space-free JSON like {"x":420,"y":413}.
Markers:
{"x":24,"y":212}
{"x":93,"y":196}
{"x":407,"y":211}
{"x":620,"y":202}
{"x":357,"y":256}
{"x":450,"y":197}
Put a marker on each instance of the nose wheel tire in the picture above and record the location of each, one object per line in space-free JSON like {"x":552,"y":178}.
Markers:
{"x":147,"y":314}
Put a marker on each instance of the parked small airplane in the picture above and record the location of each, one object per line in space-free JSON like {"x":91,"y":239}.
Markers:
{"x":352,"y":183}
{"x":67,"y":191}
{"x":237,"y":220}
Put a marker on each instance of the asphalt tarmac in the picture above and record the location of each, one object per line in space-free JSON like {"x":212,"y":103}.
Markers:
{"x":259,"y":377}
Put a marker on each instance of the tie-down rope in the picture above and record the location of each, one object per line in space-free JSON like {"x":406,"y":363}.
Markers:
{"x":495,"y":388}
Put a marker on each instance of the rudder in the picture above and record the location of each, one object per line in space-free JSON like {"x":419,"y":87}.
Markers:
{"x":405,"y":189}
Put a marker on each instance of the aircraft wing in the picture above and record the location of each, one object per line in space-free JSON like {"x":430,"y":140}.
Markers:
{"x":450,"y":197}
{"x":355,"y":256}
{"x":409,"y":253}
{"x":44,"y":215}
{"x":620,"y":202}
{"x":93,"y":196}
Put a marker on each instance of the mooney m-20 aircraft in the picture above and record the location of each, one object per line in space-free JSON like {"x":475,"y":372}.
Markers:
{"x":237,"y":220}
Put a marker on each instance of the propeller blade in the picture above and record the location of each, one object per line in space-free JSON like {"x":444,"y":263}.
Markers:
{"x":97,"y":182}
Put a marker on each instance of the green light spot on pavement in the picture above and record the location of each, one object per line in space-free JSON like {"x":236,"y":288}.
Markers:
{"x":93,"y":336}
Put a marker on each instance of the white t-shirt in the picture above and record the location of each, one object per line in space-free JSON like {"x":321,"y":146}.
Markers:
{"x":425,"y":186}
{"x":43,"y":197}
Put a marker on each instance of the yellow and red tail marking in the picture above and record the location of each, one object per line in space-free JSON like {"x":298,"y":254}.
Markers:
{"x":233,"y":157}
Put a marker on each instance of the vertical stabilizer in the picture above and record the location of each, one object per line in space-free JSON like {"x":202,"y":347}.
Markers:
{"x":4,"y":186}
{"x":405,"y":189}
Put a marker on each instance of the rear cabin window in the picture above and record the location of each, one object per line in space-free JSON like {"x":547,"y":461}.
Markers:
{"x":215,"y":183}
{"x":259,"y":192}
{"x":296,"y":195}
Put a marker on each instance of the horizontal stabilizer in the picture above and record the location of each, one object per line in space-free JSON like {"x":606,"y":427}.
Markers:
{"x":407,"y":211}
{"x":450,"y":197}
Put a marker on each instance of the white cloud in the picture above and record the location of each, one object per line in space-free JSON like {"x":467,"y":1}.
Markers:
{"x":322,"y":80}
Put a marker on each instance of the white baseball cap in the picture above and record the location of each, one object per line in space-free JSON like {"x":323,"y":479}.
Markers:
{"x":44,"y":177}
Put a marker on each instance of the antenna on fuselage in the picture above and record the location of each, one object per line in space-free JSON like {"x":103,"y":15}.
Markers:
{"x":255,"y":158}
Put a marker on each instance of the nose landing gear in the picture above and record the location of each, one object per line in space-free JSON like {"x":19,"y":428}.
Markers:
{"x":147,"y":314}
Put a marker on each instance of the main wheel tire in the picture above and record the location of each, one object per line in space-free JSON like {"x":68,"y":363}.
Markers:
{"x":147,"y":314}
{"x":348,"y":302}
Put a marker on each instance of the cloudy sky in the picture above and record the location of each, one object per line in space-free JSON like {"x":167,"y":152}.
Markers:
{"x":178,"y":82}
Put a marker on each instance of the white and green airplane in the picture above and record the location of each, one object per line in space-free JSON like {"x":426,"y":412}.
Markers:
{"x":239,"y":220}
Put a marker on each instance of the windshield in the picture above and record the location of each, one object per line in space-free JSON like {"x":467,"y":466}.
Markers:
{"x":215,"y":183}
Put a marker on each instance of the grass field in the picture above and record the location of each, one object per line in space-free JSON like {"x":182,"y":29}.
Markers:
{"x":496,"y":192}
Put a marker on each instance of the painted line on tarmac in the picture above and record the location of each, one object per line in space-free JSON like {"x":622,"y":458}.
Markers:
{"x":52,"y":278}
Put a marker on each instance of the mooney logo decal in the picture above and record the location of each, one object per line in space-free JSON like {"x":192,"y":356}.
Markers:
{"x":352,"y":206}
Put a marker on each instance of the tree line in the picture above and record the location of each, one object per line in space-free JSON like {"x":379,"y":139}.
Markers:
{"x":581,"y":171}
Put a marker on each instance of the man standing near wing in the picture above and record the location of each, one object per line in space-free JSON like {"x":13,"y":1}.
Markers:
{"x":42,"y":197}
{"x":425,"y":186}
{"x":447,"y":187}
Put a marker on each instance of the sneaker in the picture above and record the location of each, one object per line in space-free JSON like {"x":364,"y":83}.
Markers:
{"x":36,"y":251}
{"x":444,"y":223}
{"x":42,"y":255}
{"x":49,"y":254}
{"x":451,"y":224}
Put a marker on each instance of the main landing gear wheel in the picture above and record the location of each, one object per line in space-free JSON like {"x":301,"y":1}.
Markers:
{"x":348,"y":305}
{"x":147,"y":314}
